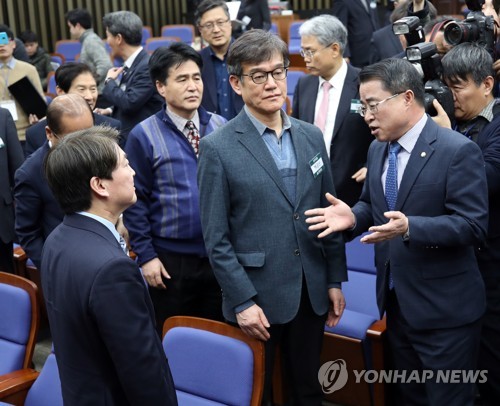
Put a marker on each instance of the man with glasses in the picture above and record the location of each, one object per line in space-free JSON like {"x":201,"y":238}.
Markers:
{"x":425,"y":209}
{"x":328,"y":98}
{"x":257,"y":176}
{"x":212,"y":19}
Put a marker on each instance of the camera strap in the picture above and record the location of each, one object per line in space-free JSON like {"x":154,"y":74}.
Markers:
{"x":439,"y":27}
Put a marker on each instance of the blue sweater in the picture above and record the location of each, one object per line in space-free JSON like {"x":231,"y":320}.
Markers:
{"x":166,"y":216}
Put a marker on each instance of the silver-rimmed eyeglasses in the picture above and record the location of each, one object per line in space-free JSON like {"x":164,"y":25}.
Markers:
{"x":373,"y":108}
{"x":211,"y":25}
{"x":310,"y":54}
{"x":261,"y":77}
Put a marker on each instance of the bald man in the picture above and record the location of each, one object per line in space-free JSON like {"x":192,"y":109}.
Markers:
{"x":37,"y":212}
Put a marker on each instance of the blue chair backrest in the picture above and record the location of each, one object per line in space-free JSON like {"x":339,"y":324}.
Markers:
{"x":360,"y":257}
{"x":294,"y":37}
{"x":292,"y":79}
{"x":146,"y":33}
{"x":157,"y":42}
{"x":15,"y":324}
{"x":274,"y":29}
{"x":46,"y":390}
{"x":360,"y":293}
{"x":185,"y":33}
{"x":69,"y":49}
{"x":209,"y":368}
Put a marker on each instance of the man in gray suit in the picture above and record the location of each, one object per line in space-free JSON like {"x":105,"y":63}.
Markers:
{"x":257,"y":176}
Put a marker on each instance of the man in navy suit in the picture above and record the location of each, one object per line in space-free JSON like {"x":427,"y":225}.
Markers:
{"x":257,"y":175}
{"x":346,"y":135}
{"x":129,"y":88}
{"x":37,"y":212}
{"x":101,"y":317}
{"x":11,"y":158}
{"x":212,"y":19}
{"x":426,"y":208}
{"x":72,"y":77}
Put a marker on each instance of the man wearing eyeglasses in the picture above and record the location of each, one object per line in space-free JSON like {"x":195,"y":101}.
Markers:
{"x":425,"y":209}
{"x":328,"y":98}
{"x":212,"y":19}
{"x":257,"y":175}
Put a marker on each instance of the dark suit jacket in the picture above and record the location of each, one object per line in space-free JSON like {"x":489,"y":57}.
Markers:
{"x":209,"y":100}
{"x":11,"y":158}
{"x":257,"y":239}
{"x":37,"y":211}
{"x":140,"y":98}
{"x":101,"y":320}
{"x":384,"y":44}
{"x":435,"y":274}
{"x":258,"y":11}
{"x":351,"y":135}
{"x":36,"y":137}
{"x":360,"y":24}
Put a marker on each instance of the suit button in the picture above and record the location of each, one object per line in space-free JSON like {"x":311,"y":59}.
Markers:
{"x":296,"y":216}
{"x":296,"y":252}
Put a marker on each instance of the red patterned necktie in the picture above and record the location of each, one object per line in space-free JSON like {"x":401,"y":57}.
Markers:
{"x":193,"y":136}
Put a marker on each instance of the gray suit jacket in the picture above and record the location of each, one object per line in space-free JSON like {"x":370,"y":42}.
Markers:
{"x":256,"y":238}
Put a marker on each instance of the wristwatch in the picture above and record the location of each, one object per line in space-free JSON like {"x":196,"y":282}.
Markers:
{"x":107,"y":80}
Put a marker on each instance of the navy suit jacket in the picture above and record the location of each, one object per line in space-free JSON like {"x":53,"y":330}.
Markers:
{"x":36,"y":136}
{"x":140,"y":98}
{"x":351,"y":136}
{"x":257,"y":239}
{"x":37,"y":211}
{"x":360,"y":24}
{"x":209,"y":99}
{"x":102,"y":320}
{"x":443,"y":193}
{"x":11,"y":158}
{"x":384,"y":44}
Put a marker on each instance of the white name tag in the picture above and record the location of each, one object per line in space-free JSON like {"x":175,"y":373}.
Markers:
{"x":316,"y":165}
{"x":11,"y":106}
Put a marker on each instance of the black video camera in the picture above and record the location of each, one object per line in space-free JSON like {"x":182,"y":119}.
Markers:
{"x":426,"y":60}
{"x":475,"y":28}
{"x":409,"y":27}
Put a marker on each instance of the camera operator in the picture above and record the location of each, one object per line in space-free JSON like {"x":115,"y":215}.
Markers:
{"x":468,"y":72}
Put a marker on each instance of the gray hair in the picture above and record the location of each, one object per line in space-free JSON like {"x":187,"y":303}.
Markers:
{"x":327,"y":29}
{"x":126,"y":23}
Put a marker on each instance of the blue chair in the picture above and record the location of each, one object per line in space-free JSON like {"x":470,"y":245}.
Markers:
{"x":69,"y":48}
{"x":31,"y":388}
{"x":292,"y":78}
{"x":213,"y":363}
{"x":19,"y":322}
{"x":51,"y":84}
{"x":294,"y":37}
{"x":57,"y":60}
{"x":274,"y":29}
{"x":157,"y":42}
{"x":147,"y":32}
{"x":359,"y":337}
{"x":184,"y":31}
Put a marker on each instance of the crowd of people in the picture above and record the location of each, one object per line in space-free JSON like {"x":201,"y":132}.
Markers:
{"x":239,"y":212}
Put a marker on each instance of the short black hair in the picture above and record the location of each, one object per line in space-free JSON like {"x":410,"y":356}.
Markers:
{"x":164,"y":58}
{"x":75,"y":160}
{"x":67,"y":73}
{"x":28,"y":36}
{"x":207,"y":5}
{"x":79,"y":16}
{"x":7,"y":30}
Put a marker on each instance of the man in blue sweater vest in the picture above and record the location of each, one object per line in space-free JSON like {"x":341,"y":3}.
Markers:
{"x":164,"y":224}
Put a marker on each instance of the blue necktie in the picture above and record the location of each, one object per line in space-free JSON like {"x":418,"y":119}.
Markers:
{"x":391,"y":185}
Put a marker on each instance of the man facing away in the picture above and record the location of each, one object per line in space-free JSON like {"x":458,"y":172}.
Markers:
{"x":257,"y":175}
{"x":100,"y":314}
{"x":328,"y":98}
{"x":164,"y":224}
{"x":425,"y":204}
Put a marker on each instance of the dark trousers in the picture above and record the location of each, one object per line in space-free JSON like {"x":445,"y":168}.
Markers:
{"x":434,"y":349}
{"x":6,"y":257}
{"x":191,"y":291}
{"x":300,"y":342}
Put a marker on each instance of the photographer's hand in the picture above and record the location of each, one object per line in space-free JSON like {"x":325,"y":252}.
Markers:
{"x":442,"y":118}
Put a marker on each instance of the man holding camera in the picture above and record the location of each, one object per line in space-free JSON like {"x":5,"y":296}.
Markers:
{"x":468,"y":72}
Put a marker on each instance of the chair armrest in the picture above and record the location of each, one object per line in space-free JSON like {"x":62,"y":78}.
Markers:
{"x":14,"y":386}
{"x":377,"y":336}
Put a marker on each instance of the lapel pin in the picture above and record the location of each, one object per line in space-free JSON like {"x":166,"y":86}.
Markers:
{"x":423,"y":154}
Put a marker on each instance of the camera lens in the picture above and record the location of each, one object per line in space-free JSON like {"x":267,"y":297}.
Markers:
{"x":454,"y":34}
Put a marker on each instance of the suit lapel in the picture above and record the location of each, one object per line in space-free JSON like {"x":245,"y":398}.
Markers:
{"x":253,"y":142}
{"x":309,"y":98}
{"x":419,"y":157}
{"x":380,"y":154}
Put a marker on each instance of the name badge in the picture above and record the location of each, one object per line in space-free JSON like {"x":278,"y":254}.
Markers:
{"x":11,"y":106}
{"x":355,"y":105}
{"x":316,"y":165}
{"x":1,"y":144}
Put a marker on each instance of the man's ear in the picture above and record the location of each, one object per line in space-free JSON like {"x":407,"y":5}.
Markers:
{"x":235,"y":84}
{"x":489,"y":84}
{"x":98,"y":186}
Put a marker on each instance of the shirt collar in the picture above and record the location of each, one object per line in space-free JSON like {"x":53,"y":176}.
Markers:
{"x":261,"y":127}
{"x":130,"y":60}
{"x":408,"y":140}
{"x":487,"y":112}
{"x":10,"y":64}
{"x":180,"y":122}
{"x":108,"y":224}
{"x":337,"y":80}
